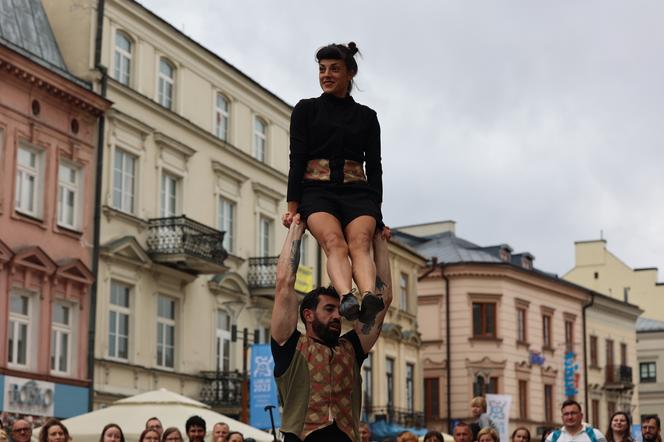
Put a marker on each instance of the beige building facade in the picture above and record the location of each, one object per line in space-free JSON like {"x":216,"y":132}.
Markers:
{"x":650,"y":354}
{"x":600,"y":270}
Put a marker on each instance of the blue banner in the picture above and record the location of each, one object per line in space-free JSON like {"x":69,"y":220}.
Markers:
{"x":571,"y":375}
{"x":262,"y":388}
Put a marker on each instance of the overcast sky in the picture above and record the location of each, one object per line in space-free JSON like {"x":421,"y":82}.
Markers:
{"x":535,"y":124}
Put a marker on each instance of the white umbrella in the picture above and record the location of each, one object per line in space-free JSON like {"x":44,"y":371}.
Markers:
{"x":172,"y":409}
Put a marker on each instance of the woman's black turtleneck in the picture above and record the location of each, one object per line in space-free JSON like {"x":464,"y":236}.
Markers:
{"x":337,"y":129}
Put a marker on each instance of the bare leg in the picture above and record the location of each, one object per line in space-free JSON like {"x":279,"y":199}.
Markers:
{"x":327,"y":231}
{"x":359,"y":234}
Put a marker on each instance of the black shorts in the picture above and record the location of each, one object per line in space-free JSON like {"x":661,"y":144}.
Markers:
{"x":345,"y":202}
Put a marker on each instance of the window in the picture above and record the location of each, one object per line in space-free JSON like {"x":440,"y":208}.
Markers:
{"x":19,"y":330}
{"x":265,"y":237}
{"x":389,"y":377}
{"x":61,"y":323}
{"x":548,"y":403}
{"x":166,"y":332}
{"x":403,"y":292}
{"x":609,"y":353}
{"x":69,"y":199}
{"x":226,"y":222}
{"x":595,"y":413}
{"x":166,"y":83}
{"x":260,"y":139}
{"x":523,"y":399}
{"x":123,"y":49}
{"x":623,"y":354}
{"x":169,"y":195}
{"x":223,"y":341}
{"x":546,"y":332}
{"x":410,"y":387}
{"x":118,"y":321}
{"x":569,"y":335}
{"x":610,"y":408}
{"x":484,"y":320}
{"x":521,"y":325}
{"x":482,"y":388}
{"x":648,"y":371}
{"x":221,"y":118}
{"x":367,"y":381}
{"x":593,"y":352}
{"x":124,"y":181}
{"x":29,"y":181}
{"x":431,"y":398}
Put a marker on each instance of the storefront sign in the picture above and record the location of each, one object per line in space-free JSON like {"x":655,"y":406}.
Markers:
{"x":27,"y":396}
{"x":262,"y":388}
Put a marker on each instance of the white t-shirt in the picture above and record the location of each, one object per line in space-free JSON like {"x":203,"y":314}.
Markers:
{"x":581,"y":436}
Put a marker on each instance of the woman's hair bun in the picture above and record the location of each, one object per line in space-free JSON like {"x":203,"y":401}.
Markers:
{"x":353,"y":48}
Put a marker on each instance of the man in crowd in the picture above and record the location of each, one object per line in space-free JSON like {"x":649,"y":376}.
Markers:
{"x":650,"y":428}
{"x":154,"y":424}
{"x":21,"y":431}
{"x":462,"y":432}
{"x":573,"y":428}
{"x":220,"y":431}
{"x":365,"y":432}
{"x":195,"y":427}
{"x":318,"y":373}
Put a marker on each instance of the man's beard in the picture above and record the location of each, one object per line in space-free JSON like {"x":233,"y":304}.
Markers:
{"x":649,"y":438}
{"x":324,"y":333}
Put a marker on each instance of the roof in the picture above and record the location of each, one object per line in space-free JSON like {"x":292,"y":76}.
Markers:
{"x":24,"y":28}
{"x":446,"y":247}
{"x":649,"y":325}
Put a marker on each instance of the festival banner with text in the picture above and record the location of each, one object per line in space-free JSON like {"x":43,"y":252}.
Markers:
{"x":262,"y":388}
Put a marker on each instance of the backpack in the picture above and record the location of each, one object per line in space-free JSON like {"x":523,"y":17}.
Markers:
{"x":590,"y":431}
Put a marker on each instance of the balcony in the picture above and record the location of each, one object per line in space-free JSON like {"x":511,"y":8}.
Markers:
{"x":187,"y":245}
{"x":262,"y":275}
{"x":222,"y":391}
{"x":618,"y":377}
{"x":391,"y":414}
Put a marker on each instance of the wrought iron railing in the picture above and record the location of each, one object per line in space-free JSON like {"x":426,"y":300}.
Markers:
{"x":222,"y":388}
{"x":618,"y":374}
{"x":401,"y":416}
{"x":181,"y":235}
{"x":262,"y":272}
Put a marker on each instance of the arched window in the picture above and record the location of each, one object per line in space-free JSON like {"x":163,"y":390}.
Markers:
{"x":260,"y":139}
{"x":166,"y":83}
{"x":123,"y":51}
{"x":221,"y":117}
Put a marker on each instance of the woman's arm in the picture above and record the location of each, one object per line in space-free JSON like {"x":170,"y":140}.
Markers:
{"x":374,"y":166}
{"x":299,"y":138}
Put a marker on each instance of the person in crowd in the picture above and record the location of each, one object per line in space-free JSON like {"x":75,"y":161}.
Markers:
{"x":154,"y":424}
{"x":334,"y":381}
{"x":220,"y":432}
{"x":433,"y":436}
{"x":235,"y":436}
{"x":365,"y":432}
{"x":3,"y":435}
{"x":332,"y":139}
{"x":478,"y":411}
{"x":651,"y":428}
{"x":462,"y":432}
{"x":573,"y":429}
{"x":53,"y":431}
{"x":21,"y":431}
{"x":112,"y":433}
{"x":620,"y":426}
{"x":149,"y":435}
{"x":171,"y":434}
{"x":488,"y":434}
{"x":545,"y":434}
{"x":407,"y":436}
{"x":195,"y":427}
{"x":521,"y":434}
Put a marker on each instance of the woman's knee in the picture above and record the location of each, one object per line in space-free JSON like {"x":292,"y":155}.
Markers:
{"x":334,"y":242}
{"x":360,"y":242}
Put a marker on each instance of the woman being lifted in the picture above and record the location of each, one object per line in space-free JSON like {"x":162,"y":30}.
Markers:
{"x":333,"y":140}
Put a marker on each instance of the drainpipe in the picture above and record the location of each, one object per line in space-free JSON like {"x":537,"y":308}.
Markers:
{"x":92,"y":328}
{"x":448,"y":348}
{"x":585,"y":351}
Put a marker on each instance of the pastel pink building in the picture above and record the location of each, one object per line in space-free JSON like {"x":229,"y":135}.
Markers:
{"x":48,"y":133}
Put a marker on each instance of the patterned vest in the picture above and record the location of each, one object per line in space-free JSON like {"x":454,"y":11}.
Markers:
{"x":321,"y":385}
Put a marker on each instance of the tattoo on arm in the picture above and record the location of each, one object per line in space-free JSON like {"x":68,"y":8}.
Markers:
{"x":380,"y":285}
{"x":295,"y":255}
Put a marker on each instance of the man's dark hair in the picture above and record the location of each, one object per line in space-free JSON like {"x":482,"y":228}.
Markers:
{"x":153,"y":418}
{"x":194,"y":421}
{"x":648,"y":417}
{"x":310,"y":300}
{"x":569,"y":402}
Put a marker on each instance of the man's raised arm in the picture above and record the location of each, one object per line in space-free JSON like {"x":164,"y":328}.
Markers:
{"x":369,"y":335}
{"x":285,"y":309}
